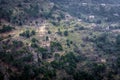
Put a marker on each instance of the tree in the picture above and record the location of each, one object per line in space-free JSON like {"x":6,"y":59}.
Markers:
{"x":59,"y":32}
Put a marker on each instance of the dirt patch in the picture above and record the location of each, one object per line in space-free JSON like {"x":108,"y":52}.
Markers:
{"x":50,"y":60}
{"x":41,"y":30}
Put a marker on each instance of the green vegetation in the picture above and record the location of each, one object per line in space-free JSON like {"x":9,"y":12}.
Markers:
{"x":56,"y":46}
{"x":59,"y":40}
{"x":65,"y":33}
{"x":6,"y":28}
{"x":34,"y":40}
{"x":81,"y":75}
{"x":28,"y":33}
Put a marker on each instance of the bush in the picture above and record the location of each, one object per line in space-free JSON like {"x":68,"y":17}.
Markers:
{"x":65,"y":33}
{"x":33,"y":32}
{"x":34,"y":40}
{"x":34,"y":45}
{"x":56,"y":46}
{"x":49,"y":32}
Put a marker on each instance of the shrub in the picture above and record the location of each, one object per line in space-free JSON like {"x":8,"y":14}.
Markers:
{"x":65,"y":33}
{"x":56,"y":46}
{"x":34,"y":40}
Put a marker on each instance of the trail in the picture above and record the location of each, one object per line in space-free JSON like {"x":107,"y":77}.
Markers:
{"x":14,"y":34}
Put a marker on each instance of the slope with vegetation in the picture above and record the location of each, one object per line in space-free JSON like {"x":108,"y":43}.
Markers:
{"x":54,"y":40}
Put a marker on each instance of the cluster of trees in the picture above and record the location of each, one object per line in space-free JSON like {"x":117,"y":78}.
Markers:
{"x":26,"y":10}
{"x":19,"y":56}
{"x":7,"y":11}
{"x":33,"y":10}
{"x":28,"y":33}
{"x":106,"y":42}
{"x":16,"y":54}
{"x":6,"y":28}
{"x":51,"y":14}
{"x":67,"y":62}
{"x":44,"y":52}
{"x":12,"y":55}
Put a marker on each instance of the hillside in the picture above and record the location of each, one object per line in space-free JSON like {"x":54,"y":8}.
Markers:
{"x":22,"y":12}
{"x":59,"y":40}
{"x":107,"y":11}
